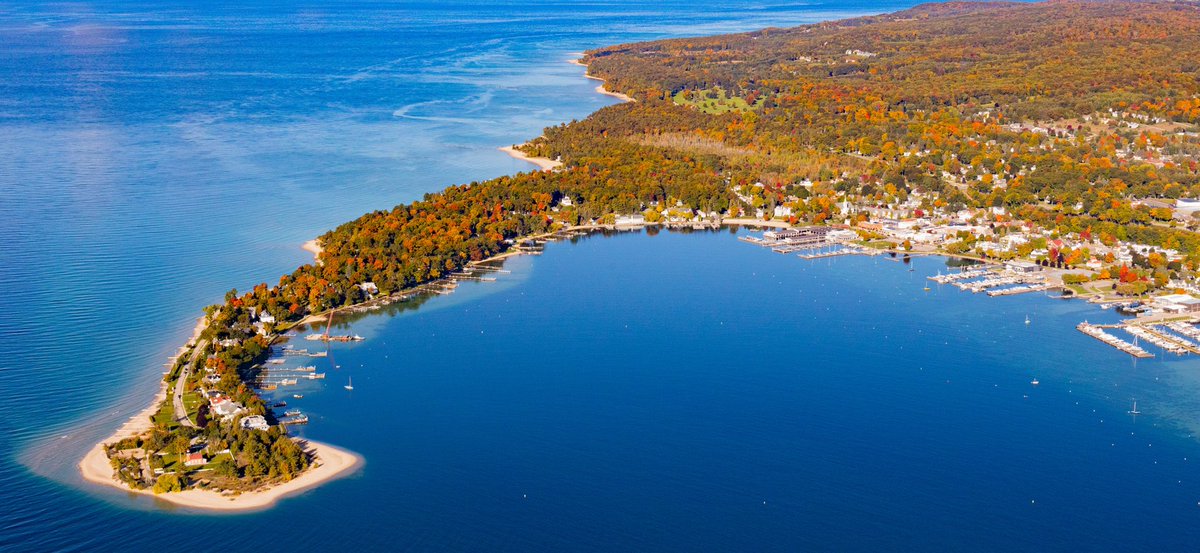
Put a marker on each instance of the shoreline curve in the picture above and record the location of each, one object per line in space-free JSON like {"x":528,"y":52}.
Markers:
{"x":543,"y":163}
{"x":330,"y":463}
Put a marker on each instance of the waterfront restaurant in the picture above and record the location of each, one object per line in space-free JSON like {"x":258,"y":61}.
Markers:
{"x":1022,"y":267}
{"x":1179,"y":303}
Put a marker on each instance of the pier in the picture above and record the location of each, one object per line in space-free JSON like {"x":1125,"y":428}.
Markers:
{"x":792,"y":247}
{"x":961,"y":275}
{"x":837,"y":251}
{"x":1095,"y":331}
{"x":806,"y":242}
{"x":1156,"y":338}
{"x":1185,"y":329}
{"x":1167,"y":341}
{"x":1020,"y":289}
{"x":992,"y":282}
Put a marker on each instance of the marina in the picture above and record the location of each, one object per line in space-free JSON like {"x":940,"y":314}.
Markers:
{"x":814,"y":242}
{"x":1169,"y":342}
{"x":1023,"y":289}
{"x":966,"y":273}
{"x":839,"y":250}
{"x":1098,"y":333}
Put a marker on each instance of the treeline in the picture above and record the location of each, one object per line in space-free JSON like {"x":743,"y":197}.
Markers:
{"x":916,"y":100}
{"x":867,"y":110}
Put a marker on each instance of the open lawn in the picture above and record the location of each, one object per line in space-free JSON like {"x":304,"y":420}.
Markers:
{"x":714,"y":101}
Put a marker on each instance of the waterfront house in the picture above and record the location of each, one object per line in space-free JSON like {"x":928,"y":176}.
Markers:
{"x":226,"y":408}
{"x":255,"y":422}
{"x":195,"y":460}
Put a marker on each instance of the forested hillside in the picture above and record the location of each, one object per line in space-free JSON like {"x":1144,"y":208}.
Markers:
{"x":1065,"y":114}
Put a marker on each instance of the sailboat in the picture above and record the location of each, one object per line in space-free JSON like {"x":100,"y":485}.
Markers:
{"x":1134,"y":411}
{"x":1026,"y":319}
{"x":349,"y":384}
{"x":1034,"y":382}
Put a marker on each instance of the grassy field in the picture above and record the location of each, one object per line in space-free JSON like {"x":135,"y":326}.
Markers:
{"x":166,"y":416}
{"x":191,"y":403}
{"x":714,"y":101}
{"x":879,"y":244}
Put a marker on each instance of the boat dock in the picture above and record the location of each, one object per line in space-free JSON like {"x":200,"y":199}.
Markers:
{"x":341,"y":338}
{"x":1157,"y":338}
{"x":1185,"y":329}
{"x":807,"y":242}
{"x":991,"y":282}
{"x":961,"y":275}
{"x":1098,"y":333}
{"x":800,"y":246}
{"x":1163,"y":339}
{"x":1024,"y":289}
{"x":835,"y":251}
{"x":467,"y":276}
{"x":298,"y":419}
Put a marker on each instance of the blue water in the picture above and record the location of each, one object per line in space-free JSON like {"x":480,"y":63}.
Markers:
{"x":625,"y":393}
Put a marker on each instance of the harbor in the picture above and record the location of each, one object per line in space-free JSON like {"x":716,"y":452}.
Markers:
{"x":1097,"y":332}
{"x":815,"y":242}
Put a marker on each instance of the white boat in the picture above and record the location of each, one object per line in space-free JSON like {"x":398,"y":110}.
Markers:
{"x":349,"y":384}
{"x":1034,"y":382}
{"x":1026,"y":319}
{"x":1134,"y":411}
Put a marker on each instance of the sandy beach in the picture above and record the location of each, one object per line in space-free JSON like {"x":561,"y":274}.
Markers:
{"x":140,"y":422}
{"x":95,"y":464}
{"x":544,"y":163}
{"x":330,"y":462}
{"x":600,"y":88}
{"x":314,"y":247}
{"x":608,"y":92}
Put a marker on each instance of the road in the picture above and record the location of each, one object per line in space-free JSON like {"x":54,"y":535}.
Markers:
{"x":181,"y":415}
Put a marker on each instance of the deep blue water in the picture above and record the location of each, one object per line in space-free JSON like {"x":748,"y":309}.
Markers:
{"x":626,"y":393}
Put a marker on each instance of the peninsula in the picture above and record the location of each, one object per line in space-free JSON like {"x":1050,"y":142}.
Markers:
{"x":1061,"y":134}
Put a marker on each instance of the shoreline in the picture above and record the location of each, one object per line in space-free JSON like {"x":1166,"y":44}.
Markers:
{"x":600,"y":88}
{"x":607,"y":92}
{"x":329,"y":463}
{"x":140,"y":421}
{"x":543,"y":163}
{"x":314,"y":247}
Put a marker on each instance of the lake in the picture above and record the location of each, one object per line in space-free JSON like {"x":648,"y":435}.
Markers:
{"x":674,"y":392}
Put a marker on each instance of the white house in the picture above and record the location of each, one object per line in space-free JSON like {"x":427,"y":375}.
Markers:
{"x":226,"y":408}
{"x":255,"y":422}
